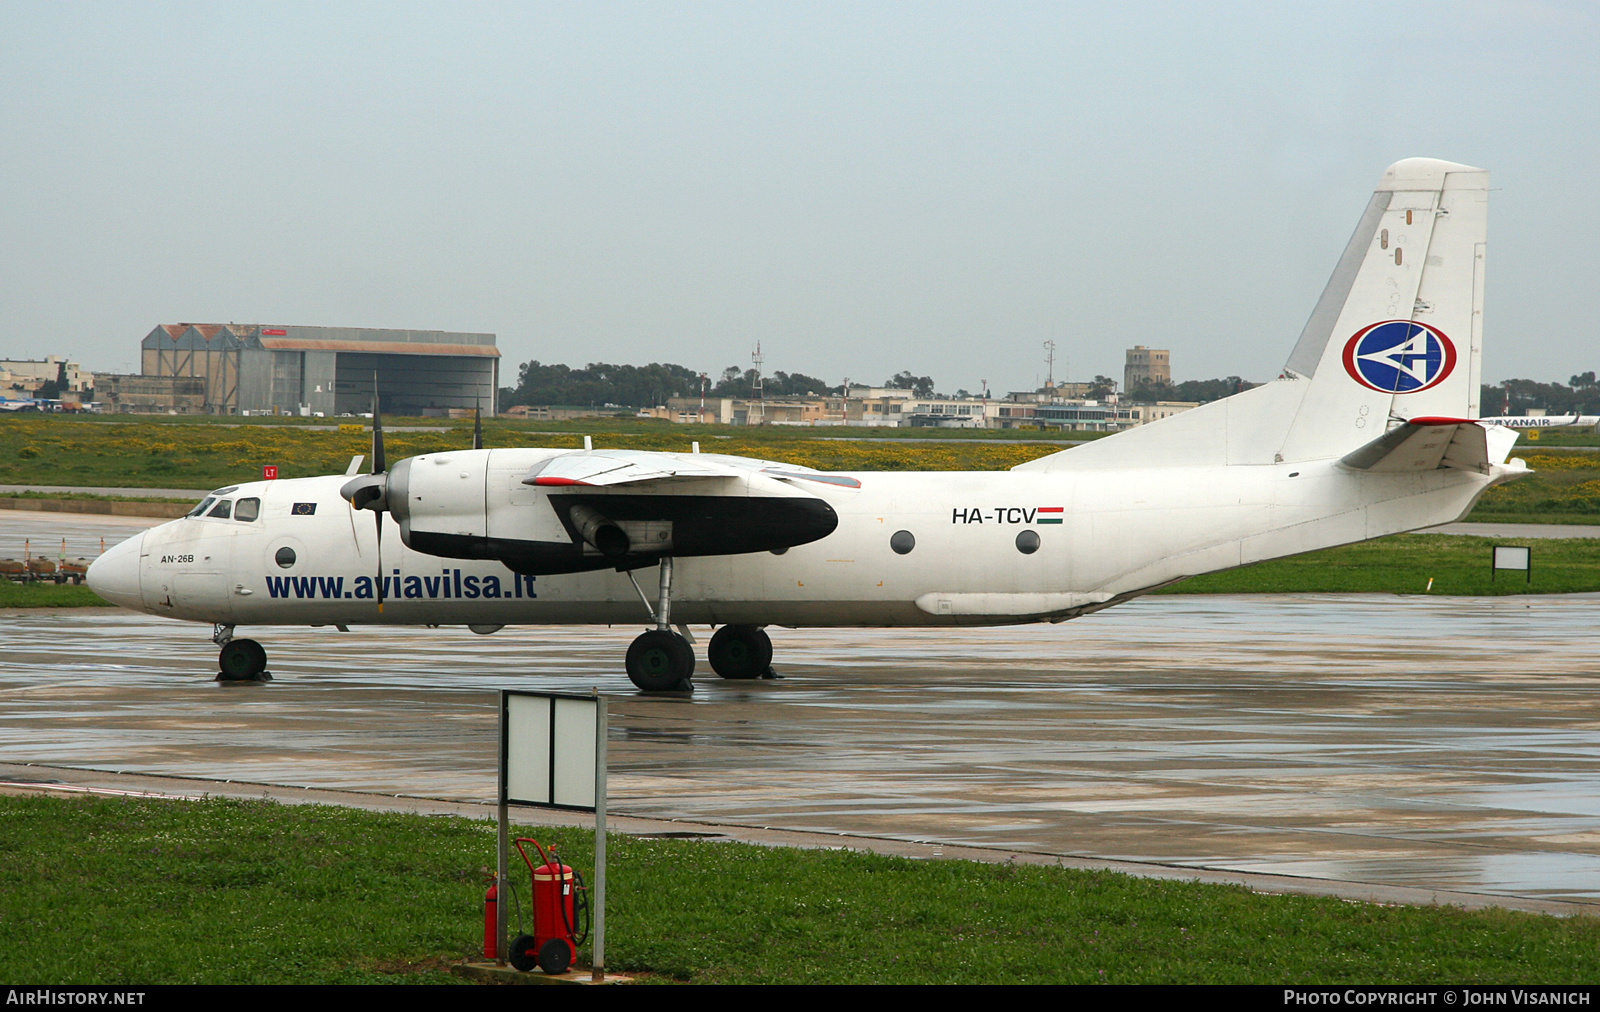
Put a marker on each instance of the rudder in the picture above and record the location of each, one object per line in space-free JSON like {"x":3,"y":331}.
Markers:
{"x":1398,"y":332}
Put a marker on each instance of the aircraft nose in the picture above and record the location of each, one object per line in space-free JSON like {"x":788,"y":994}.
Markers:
{"x":115,"y":575}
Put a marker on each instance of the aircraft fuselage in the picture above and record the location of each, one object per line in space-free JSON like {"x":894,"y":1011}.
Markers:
{"x":911,"y":548}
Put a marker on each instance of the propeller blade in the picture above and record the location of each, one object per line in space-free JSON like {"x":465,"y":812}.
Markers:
{"x":379,"y":462}
{"x":377,"y":516}
{"x":477,"y":425}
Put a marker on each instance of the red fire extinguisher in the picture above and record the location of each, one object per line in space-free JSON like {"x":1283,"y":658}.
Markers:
{"x":491,"y":923}
{"x":560,"y":905}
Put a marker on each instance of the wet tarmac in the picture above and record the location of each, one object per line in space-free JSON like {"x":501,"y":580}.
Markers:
{"x":1440,"y":743}
{"x":85,"y":534}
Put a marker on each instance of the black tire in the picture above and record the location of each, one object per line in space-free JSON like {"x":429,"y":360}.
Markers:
{"x":740,"y":651}
{"x":521,"y":954}
{"x":555,"y":956}
{"x":241,"y":660}
{"x":660,"y":661}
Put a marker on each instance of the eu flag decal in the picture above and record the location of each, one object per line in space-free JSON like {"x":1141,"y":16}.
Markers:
{"x":304,"y":509}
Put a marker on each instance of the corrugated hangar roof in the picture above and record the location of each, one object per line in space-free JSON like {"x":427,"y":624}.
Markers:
{"x":380,"y":347}
{"x":372,"y":341}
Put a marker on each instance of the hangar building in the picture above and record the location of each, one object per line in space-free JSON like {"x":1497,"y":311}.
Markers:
{"x":326,"y":370}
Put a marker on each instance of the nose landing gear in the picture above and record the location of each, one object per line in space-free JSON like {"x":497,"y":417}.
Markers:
{"x":239,"y":660}
{"x":660,"y":660}
{"x":740,"y":651}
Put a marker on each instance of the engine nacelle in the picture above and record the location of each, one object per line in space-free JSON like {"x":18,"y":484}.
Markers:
{"x":473,"y":504}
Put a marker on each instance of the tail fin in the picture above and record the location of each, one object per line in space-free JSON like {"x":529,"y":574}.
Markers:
{"x":1397,"y":334}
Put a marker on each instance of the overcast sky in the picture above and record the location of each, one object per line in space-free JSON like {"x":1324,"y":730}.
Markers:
{"x":862,"y":187}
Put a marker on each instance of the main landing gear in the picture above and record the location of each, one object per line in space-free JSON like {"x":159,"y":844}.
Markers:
{"x":239,"y":660}
{"x":661,"y":660}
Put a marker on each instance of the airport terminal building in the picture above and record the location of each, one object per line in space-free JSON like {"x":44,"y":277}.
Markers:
{"x":257,"y":368}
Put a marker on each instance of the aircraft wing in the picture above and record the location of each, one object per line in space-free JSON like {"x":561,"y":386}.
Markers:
{"x":598,"y":468}
{"x":1429,"y":444}
{"x":623,"y":467}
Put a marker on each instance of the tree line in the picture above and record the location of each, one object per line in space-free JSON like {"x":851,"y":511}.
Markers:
{"x":1578,"y":396}
{"x":601,"y":384}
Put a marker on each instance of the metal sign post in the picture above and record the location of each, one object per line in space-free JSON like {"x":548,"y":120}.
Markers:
{"x":553,"y":755}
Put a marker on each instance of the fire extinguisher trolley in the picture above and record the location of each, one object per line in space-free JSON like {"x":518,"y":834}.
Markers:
{"x":560,"y":907}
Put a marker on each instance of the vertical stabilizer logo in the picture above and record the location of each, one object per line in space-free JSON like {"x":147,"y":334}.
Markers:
{"x":1399,"y":356}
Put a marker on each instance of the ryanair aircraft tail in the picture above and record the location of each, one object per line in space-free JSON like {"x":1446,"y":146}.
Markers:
{"x":1396,"y":336}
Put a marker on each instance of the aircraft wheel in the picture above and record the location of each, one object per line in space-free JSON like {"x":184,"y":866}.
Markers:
{"x":740,"y":651}
{"x":241,"y":661}
{"x":660,"y":661}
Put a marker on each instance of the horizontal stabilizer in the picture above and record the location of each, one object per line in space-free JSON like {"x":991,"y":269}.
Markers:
{"x":1429,"y":444}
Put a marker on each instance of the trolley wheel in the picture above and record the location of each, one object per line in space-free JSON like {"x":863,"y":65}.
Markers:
{"x":555,"y":956}
{"x":521,"y":953}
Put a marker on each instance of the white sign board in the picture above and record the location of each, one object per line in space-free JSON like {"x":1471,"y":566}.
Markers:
{"x":1507,"y":557}
{"x":1512,"y":557}
{"x":548,"y":749}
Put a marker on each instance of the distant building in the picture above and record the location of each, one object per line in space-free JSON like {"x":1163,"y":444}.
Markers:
{"x":326,"y":370}
{"x":1143,"y":414}
{"x":1146,"y":365}
{"x":23,"y":377}
{"x":891,"y":408}
{"x":546,"y":413}
{"x":160,"y":395}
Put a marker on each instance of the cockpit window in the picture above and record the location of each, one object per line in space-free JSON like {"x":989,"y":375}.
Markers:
{"x":247,"y":509}
{"x":205,"y":504}
{"x":222,"y":509}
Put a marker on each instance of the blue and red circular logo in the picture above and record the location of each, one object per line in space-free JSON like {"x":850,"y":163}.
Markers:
{"x":1399,"y":357}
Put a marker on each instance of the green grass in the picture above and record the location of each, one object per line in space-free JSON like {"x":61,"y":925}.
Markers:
{"x":129,"y":891}
{"x":93,"y":497}
{"x":50,"y":450}
{"x":1403,"y":564}
{"x":48,"y":595}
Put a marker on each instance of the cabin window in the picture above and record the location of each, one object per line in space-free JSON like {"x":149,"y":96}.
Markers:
{"x":902,"y":542}
{"x":247,"y":509}
{"x":284,"y":557}
{"x":222,"y":510}
{"x":1028,"y":542}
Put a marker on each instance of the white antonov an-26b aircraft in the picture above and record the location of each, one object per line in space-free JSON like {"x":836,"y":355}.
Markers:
{"x":1371,"y":429}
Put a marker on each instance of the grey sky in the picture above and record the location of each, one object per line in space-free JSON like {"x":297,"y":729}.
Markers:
{"x":861,"y":187}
